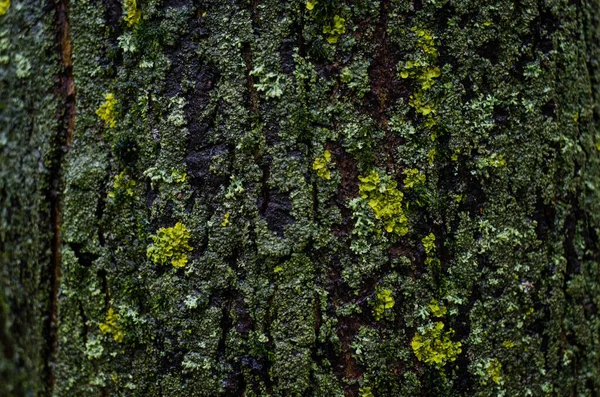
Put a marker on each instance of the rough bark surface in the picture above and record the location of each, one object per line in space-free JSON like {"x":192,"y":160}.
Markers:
{"x":383,"y":198}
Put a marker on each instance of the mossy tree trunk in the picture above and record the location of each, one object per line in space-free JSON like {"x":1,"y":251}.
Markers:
{"x":290,"y":198}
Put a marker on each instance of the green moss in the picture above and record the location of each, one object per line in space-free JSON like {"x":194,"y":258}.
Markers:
{"x":170,"y":244}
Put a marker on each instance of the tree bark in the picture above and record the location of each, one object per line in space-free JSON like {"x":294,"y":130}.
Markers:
{"x":290,"y":198}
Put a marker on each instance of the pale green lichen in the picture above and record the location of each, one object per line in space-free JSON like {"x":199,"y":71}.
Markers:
{"x":268,"y":82}
{"x":170,"y":244}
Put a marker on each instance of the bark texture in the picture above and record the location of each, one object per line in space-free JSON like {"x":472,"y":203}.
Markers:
{"x":289,"y":198}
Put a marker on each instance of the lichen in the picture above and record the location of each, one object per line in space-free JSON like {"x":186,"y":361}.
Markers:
{"x":494,"y":370}
{"x":381,"y":194}
{"x":122,"y":186}
{"x":383,"y":302}
{"x":414,"y":178}
{"x":225,"y":220}
{"x":132,"y":13}
{"x":106,"y":111}
{"x":321,"y":165}
{"x":433,"y":345}
{"x":4,"y":6}
{"x":111,"y":325}
{"x":170,"y":244}
{"x":335,"y":30}
{"x":366,"y":392}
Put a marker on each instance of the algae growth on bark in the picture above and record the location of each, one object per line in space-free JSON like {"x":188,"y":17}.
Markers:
{"x":299,"y":198}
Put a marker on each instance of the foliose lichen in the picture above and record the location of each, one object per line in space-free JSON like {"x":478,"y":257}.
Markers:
{"x":170,"y":244}
{"x":111,"y":325}
{"x":433,"y":345}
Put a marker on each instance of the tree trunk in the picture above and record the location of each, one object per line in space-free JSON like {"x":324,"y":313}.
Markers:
{"x":290,"y":198}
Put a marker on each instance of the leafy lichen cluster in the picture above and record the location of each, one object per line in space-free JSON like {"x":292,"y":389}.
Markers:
{"x":384,"y":301}
{"x":170,"y":244}
{"x":385,"y":200}
{"x":322,"y":164}
{"x":111,"y":326}
{"x":106,"y":111}
{"x":4,"y":6}
{"x":435,"y":346}
{"x":122,"y":186}
{"x":132,"y":14}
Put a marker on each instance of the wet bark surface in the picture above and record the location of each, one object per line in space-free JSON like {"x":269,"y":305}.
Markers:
{"x":363,"y":198}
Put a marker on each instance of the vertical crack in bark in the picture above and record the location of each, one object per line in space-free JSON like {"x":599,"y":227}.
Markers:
{"x":247,"y":55}
{"x":65,"y":93}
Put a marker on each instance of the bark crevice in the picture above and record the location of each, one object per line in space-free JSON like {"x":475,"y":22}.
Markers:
{"x":65,"y":115}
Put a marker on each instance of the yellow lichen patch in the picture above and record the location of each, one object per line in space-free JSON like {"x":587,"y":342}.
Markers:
{"x":111,"y":326}
{"x":509,"y":344}
{"x":122,"y":185}
{"x":170,"y":243}
{"x":430,"y":248}
{"x":494,"y":370}
{"x":429,"y":243}
{"x":431,"y":156}
{"x":310,"y":4}
{"x":106,"y":111}
{"x":384,"y":301}
{"x":413,"y":178}
{"x":496,"y":160}
{"x":4,"y":6}
{"x":422,"y":68}
{"x":334,"y":32}
{"x":132,"y":13}
{"x":225,"y":220}
{"x":321,"y":165}
{"x":434,"y":346}
{"x":385,"y":200}
{"x":366,"y":392}
{"x":437,"y":310}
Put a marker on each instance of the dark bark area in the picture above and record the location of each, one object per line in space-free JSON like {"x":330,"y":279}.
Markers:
{"x":251,"y":198}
